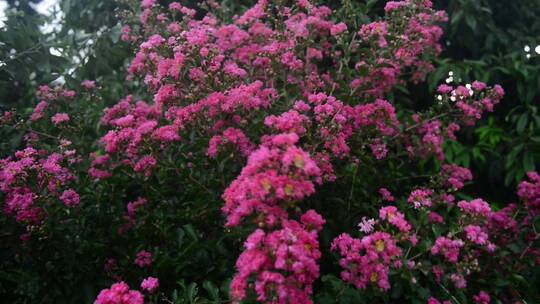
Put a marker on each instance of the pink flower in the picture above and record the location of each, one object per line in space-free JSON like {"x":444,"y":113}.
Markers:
{"x":147,"y":3}
{"x":38,"y":111}
{"x":69,"y":94}
{"x":378,"y":149}
{"x":448,"y":248}
{"x":143,"y":259}
{"x":312,"y":221}
{"x":420,"y":198}
{"x":438,"y":272}
{"x":498,"y":90}
{"x":337,"y":29}
{"x":434,"y":217}
{"x":481,"y":298}
{"x":167,"y":133}
{"x":444,"y":89}
{"x":59,"y":118}
{"x":475,"y":234}
{"x":455,"y":175}
{"x":529,"y":193}
{"x":386,"y":195}
{"x":150,"y":284}
{"x":478,"y":85}
{"x":23,"y":199}
{"x":145,"y":164}
{"x":433,"y":300}
{"x":282,"y":262}
{"x":89,"y":84}
{"x":261,"y":185}
{"x":132,"y":207}
{"x":458,"y":280}
{"x":119,"y":293}
{"x":394,"y":5}
{"x":367,"y":261}
{"x":395,"y":218}
{"x":70,"y":198}
{"x":476,"y":207}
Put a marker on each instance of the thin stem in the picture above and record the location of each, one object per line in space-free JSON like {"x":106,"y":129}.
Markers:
{"x":27,"y":129}
{"x":448,"y":292}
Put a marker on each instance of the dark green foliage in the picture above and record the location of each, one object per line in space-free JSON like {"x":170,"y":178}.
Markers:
{"x":486,"y":41}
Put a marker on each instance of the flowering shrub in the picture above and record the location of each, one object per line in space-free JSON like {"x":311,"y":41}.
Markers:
{"x":285,"y":124}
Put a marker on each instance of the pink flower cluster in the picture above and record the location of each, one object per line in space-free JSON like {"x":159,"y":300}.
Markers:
{"x":472,"y":101}
{"x":143,"y":259}
{"x":397,"y":43}
{"x":119,"y":293}
{"x":49,"y":96}
{"x":448,"y":248}
{"x":368,"y":260}
{"x":529,"y":193}
{"x":280,"y":265}
{"x":32,"y":178}
{"x":394,"y":217}
{"x":100,"y":166}
{"x":420,"y":198}
{"x":476,"y":235}
{"x":455,"y":176}
{"x":482,"y":298}
{"x":276,"y":174}
{"x":59,"y":118}
{"x":231,"y":136}
{"x":150,"y":284}
{"x":464,"y":106}
{"x":476,"y":207}
{"x":131,"y":217}
{"x":220,"y":81}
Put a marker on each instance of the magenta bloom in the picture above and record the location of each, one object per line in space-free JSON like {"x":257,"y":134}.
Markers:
{"x":448,"y":248}
{"x":119,"y":293}
{"x":482,"y":298}
{"x":89,"y":84}
{"x":70,"y":198}
{"x":59,"y":118}
{"x":143,"y":259}
{"x":150,"y":284}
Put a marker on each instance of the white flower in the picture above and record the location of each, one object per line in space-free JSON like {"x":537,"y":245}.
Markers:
{"x":366,"y":225}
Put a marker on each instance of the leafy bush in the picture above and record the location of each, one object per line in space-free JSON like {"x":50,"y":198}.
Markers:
{"x":284,"y":138}
{"x":495,"y":41}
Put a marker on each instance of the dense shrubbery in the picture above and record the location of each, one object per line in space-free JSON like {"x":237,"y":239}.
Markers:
{"x":279,"y":140}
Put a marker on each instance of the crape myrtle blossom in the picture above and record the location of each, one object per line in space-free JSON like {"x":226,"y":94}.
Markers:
{"x":143,"y":259}
{"x":367,"y":261}
{"x":448,"y":248}
{"x":150,"y":284}
{"x":280,"y":264}
{"x":456,"y":176}
{"x":26,"y":200}
{"x":119,"y":293}
{"x":395,"y":218}
{"x":278,"y":172}
{"x":529,"y":192}
{"x":223,"y":72}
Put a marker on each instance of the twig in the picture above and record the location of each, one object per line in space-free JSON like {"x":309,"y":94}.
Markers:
{"x":27,"y":129}
{"x":448,"y":292}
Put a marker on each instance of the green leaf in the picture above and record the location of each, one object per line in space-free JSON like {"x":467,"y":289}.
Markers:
{"x":528,"y":162}
{"x":211,"y":289}
{"x":471,"y":21}
{"x":522,"y":122}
